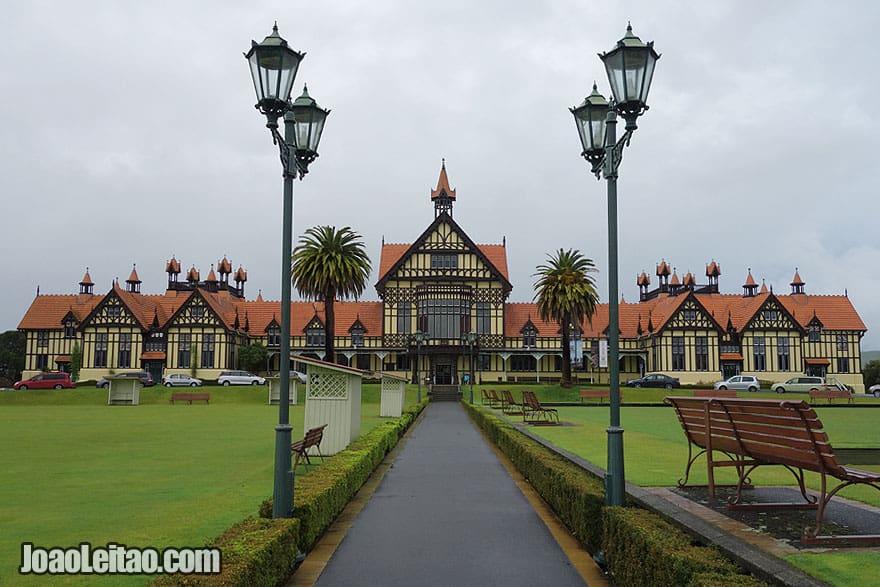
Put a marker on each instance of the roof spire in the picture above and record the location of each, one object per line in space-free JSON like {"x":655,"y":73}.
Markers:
{"x":443,"y":196}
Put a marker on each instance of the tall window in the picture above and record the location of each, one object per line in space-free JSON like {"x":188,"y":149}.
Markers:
{"x":443,"y":318}
{"x":701,"y":349}
{"x":842,"y":365}
{"x":273,"y":336}
{"x":484,"y":318}
{"x":101,"y":349}
{"x":484,"y":363}
{"x":444,"y":261}
{"x":357,"y":337}
{"x":815,"y":333}
{"x":207,"y":351}
{"x":842,"y":343}
{"x":184,"y":350}
{"x":42,"y":338}
{"x":363,"y":362}
{"x":43,"y":362}
{"x":678,"y":353}
{"x":530,"y":336}
{"x":124,"y":359}
{"x":70,"y":329}
{"x":783,"y":357}
{"x":403,"y":363}
{"x":404,"y":317}
{"x":760,"y":354}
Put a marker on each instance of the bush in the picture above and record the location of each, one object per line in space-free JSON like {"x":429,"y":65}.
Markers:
{"x":255,"y":552}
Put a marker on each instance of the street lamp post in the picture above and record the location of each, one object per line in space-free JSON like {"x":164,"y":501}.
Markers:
{"x":420,"y":338}
{"x":471,"y":339}
{"x":273,"y":68}
{"x":630,"y":68}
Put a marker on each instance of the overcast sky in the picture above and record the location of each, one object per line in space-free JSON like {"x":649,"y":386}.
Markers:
{"x":129,"y":135}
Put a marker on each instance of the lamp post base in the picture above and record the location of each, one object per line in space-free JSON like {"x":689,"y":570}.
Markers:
{"x":614,"y":478}
{"x":282,"y":501}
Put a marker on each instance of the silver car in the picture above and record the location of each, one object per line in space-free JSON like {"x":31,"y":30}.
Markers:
{"x":801,"y":383}
{"x":740,"y":383}
{"x":180,"y":380}
{"x":240,"y":378}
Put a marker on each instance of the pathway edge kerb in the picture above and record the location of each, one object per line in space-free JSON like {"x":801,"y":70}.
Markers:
{"x":759,"y":563}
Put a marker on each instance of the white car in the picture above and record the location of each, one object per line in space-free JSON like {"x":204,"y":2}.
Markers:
{"x":240,"y":378}
{"x":874,"y":390}
{"x":740,"y":383}
{"x":180,"y":380}
{"x":801,"y":383}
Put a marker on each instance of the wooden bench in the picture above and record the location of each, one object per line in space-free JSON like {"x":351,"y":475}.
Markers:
{"x":600,"y":394}
{"x":758,"y":432}
{"x":191,"y":397}
{"x":830,"y":394}
{"x":534,"y":413}
{"x":490,"y":398}
{"x":312,"y":439}
{"x":714,"y":393}
{"x":510,"y":406}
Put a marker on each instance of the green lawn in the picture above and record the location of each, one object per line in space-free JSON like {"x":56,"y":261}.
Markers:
{"x":75,"y":469}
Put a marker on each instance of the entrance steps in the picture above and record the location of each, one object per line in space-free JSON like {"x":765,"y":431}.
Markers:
{"x":444,"y":393}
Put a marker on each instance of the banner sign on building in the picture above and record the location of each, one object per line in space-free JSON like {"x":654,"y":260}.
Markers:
{"x":603,"y":353}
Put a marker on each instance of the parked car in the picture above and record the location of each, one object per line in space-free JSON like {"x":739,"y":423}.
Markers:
{"x":299,"y":375}
{"x":801,"y":383}
{"x":654,"y":380}
{"x":740,"y":383}
{"x":146,"y":378}
{"x":180,"y":380}
{"x":240,"y":378}
{"x":57,"y":380}
{"x":874,"y":390}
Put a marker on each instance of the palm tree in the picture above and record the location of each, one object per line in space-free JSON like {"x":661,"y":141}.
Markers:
{"x":566,"y":292}
{"x":326,"y":264}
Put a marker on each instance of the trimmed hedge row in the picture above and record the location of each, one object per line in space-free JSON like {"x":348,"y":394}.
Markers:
{"x":634,"y":536}
{"x":262,"y":551}
{"x":639,"y":546}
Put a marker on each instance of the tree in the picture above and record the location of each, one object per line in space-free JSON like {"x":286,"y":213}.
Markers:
{"x":253,"y":357}
{"x":871,"y":373}
{"x":76,"y":357}
{"x":12,"y":347}
{"x":566,"y":293}
{"x":327,"y":264}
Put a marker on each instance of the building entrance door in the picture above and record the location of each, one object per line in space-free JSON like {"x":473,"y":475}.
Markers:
{"x":728,"y":370}
{"x":444,"y":371}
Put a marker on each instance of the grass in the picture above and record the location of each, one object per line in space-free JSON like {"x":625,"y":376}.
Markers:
{"x":156,"y":474}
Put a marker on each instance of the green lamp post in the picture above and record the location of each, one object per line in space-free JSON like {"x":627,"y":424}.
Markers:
{"x":421,"y":337}
{"x":273,"y":68}
{"x":630,"y":68}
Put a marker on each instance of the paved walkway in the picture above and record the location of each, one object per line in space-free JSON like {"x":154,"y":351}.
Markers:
{"x":448,"y":513}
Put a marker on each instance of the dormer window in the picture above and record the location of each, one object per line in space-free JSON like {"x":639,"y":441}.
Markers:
{"x":530,"y":336}
{"x":315,"y":336}
{"x":814,"y":334}
{"x":273,"y":336}
{"x":357,"y":337}
{"x":70,"y":329}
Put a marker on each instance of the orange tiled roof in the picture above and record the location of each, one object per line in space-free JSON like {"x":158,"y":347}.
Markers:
{"x":87,"y":279}
{"x":172,"y":266}
{"x":443,"y":185}
{"x":392,"y":253}
{"x":796,"y":280}
{"x":713,"y":269}
{"x":516,"y":315}
{"x":240,"y":274}
{"x":133,"y":276}
{"x":224,"y":266}
{"x":750,"y":281}
{"x":47,"y":311}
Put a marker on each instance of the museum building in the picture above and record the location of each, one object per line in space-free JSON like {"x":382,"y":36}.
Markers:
{"x":443,"y":313}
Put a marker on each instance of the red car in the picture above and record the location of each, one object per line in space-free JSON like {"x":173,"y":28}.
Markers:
{"x":46,"y":381}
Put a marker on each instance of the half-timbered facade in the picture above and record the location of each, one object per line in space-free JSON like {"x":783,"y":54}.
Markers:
{"x":443,"y":311}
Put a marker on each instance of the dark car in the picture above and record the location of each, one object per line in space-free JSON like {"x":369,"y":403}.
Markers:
{"x":654,"y":380}
{"x":146,"y":378}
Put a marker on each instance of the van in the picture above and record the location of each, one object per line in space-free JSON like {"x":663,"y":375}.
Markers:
{"x":58,"y":380}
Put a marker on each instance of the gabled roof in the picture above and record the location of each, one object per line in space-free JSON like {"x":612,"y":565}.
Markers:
{"x":48,"y":311}
{"x":517,"y":315}
{"x":394,"y":255}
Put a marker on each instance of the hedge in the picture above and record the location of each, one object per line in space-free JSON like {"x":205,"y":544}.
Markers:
{"x":639,"y":546}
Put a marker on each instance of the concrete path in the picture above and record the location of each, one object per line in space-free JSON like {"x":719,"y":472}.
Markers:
{"x":448,"y":513}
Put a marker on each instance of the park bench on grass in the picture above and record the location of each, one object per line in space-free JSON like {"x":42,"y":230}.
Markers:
{"x":300,"y":448}
{"x":830,"y":394}
{"x":534,"y":413}
{"x":510,"y":406}
{"x":190,"y":397}
{"x":714,"y":393}
{"x":756,"y":432}
{"x":600,"y":394}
